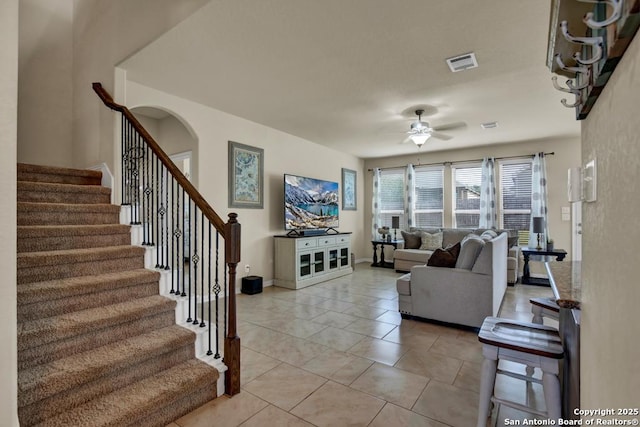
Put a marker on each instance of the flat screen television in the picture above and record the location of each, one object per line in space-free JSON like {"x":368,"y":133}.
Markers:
{"x":310,"y":203}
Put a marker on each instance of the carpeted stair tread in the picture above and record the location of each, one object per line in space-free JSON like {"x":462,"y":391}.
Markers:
{"x":30,"y":293}
{"x":134,"y":405}
{"x":43,"y":331}
{"x":45,"y":192}
{"x":40,"y":231}
{"x":39,"y":173}
{"x":35,"y":259}
{"x":34,"y":213}
{"x":46,"y":380}
{"x":47,"y":353}
{"x":37,"y":238}
{"x":54,"y":297}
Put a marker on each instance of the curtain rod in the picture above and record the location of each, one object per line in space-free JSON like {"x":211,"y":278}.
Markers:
{"x":465,"y":161}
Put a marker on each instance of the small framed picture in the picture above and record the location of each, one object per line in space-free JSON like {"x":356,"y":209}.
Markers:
{"x":349,"y":188}
{"x":246,"y":176}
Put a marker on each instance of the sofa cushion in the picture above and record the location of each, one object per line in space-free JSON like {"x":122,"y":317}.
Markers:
{"x":431,"y":242}
{"x":416,"y":255}
{"x":445,"y":257}
{"x":470,"y":248}
{"x":403,"y":284}
{"x":412,"y":240}
{"x":451,"y":236}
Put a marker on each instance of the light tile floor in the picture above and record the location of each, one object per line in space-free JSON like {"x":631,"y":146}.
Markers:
{"x":339,"y":354}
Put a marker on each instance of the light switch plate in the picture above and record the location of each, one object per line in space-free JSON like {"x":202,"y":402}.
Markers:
{"x":566,"y":216}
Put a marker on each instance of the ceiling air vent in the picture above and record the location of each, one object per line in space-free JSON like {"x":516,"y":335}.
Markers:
{"x":489,"y":125}
{"x":462,"y":62}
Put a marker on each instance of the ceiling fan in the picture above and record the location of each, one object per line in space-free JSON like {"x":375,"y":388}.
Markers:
{"x":421,"y":131}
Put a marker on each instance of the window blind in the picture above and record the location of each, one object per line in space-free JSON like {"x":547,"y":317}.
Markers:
{"x":429,"y":197}
{"x":391,"y":195}
{"x":515,"y":190}
{"x":467,"y":180}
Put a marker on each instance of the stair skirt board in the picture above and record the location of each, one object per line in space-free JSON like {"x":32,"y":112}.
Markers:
{"x":97,"y":337}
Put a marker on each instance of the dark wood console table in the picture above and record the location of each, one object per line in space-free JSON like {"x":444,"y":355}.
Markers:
{"x":382,"y":262}
{"x":527,"y":252}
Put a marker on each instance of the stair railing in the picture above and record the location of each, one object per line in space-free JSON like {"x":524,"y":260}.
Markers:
{"x":185,"y":232}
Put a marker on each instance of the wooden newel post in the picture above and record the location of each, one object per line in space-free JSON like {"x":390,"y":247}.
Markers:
{"x":232,"y":341}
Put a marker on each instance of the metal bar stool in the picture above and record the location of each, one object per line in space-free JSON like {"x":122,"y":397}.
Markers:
{"x":527,"y":343}
{"x":544,"y":307}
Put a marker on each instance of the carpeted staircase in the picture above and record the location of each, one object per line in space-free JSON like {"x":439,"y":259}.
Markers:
{"x":97,"y":344}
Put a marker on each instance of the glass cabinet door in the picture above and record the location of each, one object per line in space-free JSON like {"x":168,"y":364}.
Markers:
{"x":318,"y":262}
{"x":304,"y":266}
{"x":333,"y":259}
{"x":344,"y":257}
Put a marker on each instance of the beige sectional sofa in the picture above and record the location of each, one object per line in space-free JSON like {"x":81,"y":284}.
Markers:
{"x":462,"y":296}
{"x":404,"y":258}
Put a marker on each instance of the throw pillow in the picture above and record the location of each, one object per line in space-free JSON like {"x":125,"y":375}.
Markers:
{"x":445,"y":257}
{"x":488,"y":235}
{"x":470,"y":248}
{"x":411,"y":240}
{"x":431,"y":242}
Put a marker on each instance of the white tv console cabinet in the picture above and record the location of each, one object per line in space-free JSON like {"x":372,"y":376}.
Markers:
{"x":304,"y":261}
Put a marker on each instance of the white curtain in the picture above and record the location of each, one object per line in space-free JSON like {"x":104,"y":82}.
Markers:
{"x":409,"y":191}
{"x":488,"y":202}
{"x":538,"y":200}
{"x":375,"y":205}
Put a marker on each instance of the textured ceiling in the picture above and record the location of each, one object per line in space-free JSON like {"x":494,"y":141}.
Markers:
{"x":349,"y":73}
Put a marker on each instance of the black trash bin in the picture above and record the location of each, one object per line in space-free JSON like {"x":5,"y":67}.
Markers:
{"x":251,"y":285}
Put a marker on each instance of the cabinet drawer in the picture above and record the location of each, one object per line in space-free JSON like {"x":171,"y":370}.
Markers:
{"x":343,"y":239}
{"x":306,"y":243}
{"x":326,"y":241}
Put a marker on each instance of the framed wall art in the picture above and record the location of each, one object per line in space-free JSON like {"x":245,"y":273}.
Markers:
{"x":246,"y":176}
{"x":349,"y":186}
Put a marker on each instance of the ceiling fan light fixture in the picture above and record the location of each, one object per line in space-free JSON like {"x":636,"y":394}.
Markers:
{"x":420,"y":139}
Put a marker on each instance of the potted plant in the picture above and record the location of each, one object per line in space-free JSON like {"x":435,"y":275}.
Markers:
{"x":549,"y":244}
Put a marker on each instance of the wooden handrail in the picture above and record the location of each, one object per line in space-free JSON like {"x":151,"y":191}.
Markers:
{"x":195,"y":195}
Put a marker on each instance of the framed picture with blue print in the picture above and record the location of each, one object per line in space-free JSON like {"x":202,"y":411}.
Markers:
{"x":246,"y":176}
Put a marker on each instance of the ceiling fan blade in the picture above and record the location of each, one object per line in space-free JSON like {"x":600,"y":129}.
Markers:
{"x":441,"y":136}
{"x":450,"y":126}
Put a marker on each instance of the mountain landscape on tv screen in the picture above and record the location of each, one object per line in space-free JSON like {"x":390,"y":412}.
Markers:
{"x":310,"y":203}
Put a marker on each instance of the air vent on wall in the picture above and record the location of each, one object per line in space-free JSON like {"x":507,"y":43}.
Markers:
{"x":462,"y":62}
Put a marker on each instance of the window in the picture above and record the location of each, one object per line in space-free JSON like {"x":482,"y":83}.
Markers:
{"x":391,"y":196}
{"x":466,"y":204}
{"x":429,"y":197}
{"x":515,"y":192}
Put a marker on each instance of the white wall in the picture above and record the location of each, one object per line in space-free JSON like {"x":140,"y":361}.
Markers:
{"x":8,"y":139}
{"x":104,"y":34}
{"x":45,"y":85}
{"x":567,"y":154}
{"x":283,"y":153}
{"x":173,"y":137}
{"x":610,"y":344}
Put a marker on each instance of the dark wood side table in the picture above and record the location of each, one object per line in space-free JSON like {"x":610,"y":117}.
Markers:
{"x":526,"y":275}
{"x":382,"y":262}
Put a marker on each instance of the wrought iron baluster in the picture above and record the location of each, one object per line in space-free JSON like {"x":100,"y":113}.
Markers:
{"x":216,"y":292}
{"x":189,"y":318}
{"x":167,"y":239}
{"x":123,"y":133}
{"x":157,"y":212}
{"x":202,"y":323}
{"x":196,"y":259}
{"x":184,"y":236}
